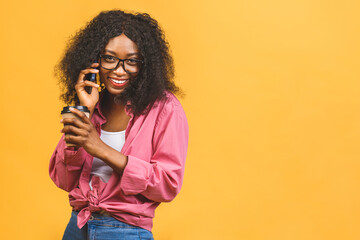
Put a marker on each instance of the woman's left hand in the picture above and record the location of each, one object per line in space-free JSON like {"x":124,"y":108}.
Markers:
{"x":82,"y":132}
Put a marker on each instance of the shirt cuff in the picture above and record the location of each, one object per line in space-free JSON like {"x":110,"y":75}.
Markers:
{"x":73,"y":159}
{"x":135,"y":176}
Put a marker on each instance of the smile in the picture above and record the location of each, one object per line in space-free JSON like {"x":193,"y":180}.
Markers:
{"x":118,"y":83}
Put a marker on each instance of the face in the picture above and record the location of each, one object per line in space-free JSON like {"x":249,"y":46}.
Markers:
{"x":117,"y":80}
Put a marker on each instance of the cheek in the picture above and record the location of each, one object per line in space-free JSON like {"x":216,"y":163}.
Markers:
{"x":103,"y":75}
{"x":134,"y":75}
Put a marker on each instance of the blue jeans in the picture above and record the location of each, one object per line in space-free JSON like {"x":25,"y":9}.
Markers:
{"x":101,"y":227}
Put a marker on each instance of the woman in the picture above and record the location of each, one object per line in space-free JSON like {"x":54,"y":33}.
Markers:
{"x":129,"y":155}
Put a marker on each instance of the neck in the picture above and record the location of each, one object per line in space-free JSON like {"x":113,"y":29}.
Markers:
{"x":114,"y":112}
{"x":112,"y":107}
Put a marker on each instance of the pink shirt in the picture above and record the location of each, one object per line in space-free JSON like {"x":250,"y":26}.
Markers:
{"x":156,"y":145}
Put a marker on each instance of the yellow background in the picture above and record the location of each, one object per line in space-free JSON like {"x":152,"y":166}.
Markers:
{"x":272,"y":102}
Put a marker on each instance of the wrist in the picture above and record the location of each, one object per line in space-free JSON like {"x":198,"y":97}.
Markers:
{"x":91,"y":112}
{"x":113,"y":158}
{"x":100,"y":150}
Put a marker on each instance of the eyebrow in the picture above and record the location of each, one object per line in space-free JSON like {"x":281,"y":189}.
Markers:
{"x":129,"y":54}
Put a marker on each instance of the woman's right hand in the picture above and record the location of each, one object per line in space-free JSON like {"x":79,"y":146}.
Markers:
{"x":88,"y":100}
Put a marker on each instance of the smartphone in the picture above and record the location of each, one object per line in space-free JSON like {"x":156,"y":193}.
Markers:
{"x":90,"y":77}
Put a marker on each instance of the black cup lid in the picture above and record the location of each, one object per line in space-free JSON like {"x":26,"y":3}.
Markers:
{"x":80,"y":108}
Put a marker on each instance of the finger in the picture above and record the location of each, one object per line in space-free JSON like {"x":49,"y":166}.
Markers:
{"x":80,"y":114}
{"x":72,"y":130}
{"x":94,"y":65}
{"x":91,"y":84}
{"x":86,"y":71}
{"x":73,"y":139}
{"x":74,"y":122}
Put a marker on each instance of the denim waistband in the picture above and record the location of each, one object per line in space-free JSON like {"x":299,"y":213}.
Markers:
{"x":106,"y":220}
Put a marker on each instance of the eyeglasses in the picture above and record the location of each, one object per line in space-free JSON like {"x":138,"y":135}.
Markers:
{"x":131,"y":65}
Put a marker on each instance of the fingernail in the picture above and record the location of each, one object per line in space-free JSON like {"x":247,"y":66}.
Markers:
{"x":61,"y":120}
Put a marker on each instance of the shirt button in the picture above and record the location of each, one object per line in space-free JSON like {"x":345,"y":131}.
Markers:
{"x":85,"y":175}
{"x":91,"y":218}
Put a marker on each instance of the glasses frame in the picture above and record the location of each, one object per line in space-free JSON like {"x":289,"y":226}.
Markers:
{"x":119,"y":61}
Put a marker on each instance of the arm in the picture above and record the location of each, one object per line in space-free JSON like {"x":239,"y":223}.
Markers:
{"x":161,"y":179}
{"x":66,"y":163}
{"x":65,"y":166}
{"x":82,"y":133}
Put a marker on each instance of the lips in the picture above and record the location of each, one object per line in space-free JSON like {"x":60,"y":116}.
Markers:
{"x":118,"y":82}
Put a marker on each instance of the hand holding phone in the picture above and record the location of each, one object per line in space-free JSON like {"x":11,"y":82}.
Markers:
{"x":88,"y":97}
{"x":90,"y":77}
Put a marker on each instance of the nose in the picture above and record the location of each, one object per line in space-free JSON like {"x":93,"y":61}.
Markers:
{"x":120,"y":70}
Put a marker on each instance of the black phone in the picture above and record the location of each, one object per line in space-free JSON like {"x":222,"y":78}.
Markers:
{"x":90,"y":77}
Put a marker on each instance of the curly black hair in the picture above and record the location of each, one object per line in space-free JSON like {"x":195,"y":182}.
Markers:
{"x":156,"y":75}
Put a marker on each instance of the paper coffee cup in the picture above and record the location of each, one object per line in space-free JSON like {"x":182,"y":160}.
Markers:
{"x":66,"y":113}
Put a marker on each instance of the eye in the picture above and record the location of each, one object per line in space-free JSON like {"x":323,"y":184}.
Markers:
{"x":109,"y":58}
{"x":132,"y":61}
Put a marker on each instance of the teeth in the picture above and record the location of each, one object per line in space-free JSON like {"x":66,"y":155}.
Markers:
{"x":118,"y":82}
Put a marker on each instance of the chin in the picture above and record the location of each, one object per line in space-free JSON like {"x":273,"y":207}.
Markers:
{"x":115,"y":93}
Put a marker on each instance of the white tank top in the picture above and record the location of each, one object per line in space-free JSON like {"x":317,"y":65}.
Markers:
{"x":99,"y":168}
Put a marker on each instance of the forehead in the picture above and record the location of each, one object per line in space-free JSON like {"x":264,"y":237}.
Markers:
{"x":121,"y":45}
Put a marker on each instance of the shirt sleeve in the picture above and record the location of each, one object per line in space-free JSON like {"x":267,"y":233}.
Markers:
{"x":66,"y":165}
{"x":160,"y":179}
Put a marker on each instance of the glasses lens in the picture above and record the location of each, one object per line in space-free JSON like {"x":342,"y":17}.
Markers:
{"x":132,"y":66}
{"x":108,"y":62}
{"x":129,"y":65}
